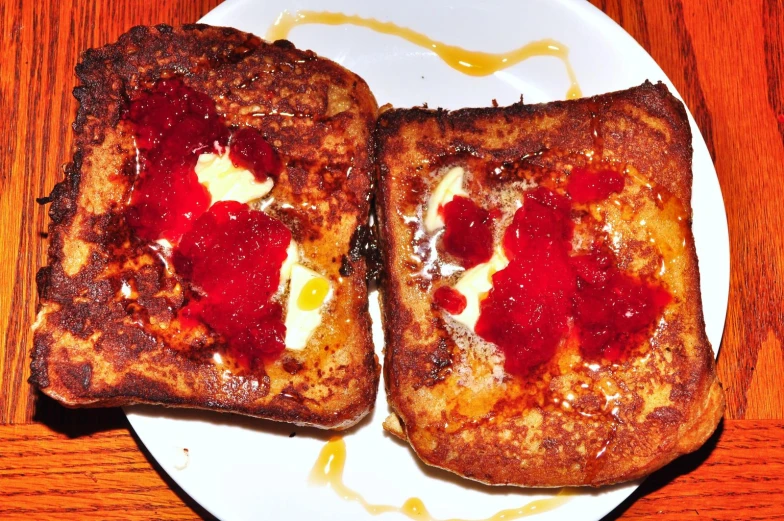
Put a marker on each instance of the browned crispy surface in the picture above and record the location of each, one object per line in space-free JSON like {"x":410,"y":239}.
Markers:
{"x":96,"y":346}
{"x":574,"y":421}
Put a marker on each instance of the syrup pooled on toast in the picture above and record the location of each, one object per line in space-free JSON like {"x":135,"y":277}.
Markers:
{"x":473,"y":63}
{"x":328,"y":470}
{"x":313,"y":294}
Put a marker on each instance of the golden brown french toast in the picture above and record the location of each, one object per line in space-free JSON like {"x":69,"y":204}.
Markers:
{"x":541,"y":298}
{"x":151,"y":297}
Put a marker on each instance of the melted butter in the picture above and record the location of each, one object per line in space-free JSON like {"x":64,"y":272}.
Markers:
{"x":473,"y":63}
{"x":328,"y":470}
{"x":313,"y":294}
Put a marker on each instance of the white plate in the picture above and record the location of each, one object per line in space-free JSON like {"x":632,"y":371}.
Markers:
{"x":241,"y":468}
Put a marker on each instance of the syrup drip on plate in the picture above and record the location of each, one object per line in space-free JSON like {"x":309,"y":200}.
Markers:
{"x":328,"y":470}
{"x":473,"y":63}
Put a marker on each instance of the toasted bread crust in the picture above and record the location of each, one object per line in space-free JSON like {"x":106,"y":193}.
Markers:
{"x":97,"y":347}
{"x":455,"y":413}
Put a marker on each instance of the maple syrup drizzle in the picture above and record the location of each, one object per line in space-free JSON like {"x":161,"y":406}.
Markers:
{"x":473,"y":63}
{"x":328,"y":470}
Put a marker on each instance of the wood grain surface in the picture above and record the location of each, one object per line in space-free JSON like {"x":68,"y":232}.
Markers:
{"x":725,"y":58}
{"x":94,"y":476}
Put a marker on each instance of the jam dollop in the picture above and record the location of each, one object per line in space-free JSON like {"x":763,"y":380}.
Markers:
{"x":450,"y":300}
{"x":526,"y":313}
{"x":468,"y":231}
{"x":173,"y":124}
{"x":543,"y":222}
{"x":249,"y":150}
{"x":613,"y":310}
{"x":546,"y":292}
{"x":233,"y":256}
{"x":587,"y":185}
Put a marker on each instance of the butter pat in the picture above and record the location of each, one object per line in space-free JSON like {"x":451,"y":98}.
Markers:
{"x":475,"y":283}
{"x":450,"y":186}
{"x":226,"y":182}
{"x":303,"y":314}
{"x":292,"y":257}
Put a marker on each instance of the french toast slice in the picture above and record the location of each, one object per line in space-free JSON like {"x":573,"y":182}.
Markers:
{"x":110,"y":329}
{"x":583,"y":413}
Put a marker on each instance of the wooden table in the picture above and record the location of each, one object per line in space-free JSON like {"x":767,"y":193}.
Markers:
{"x":726,"y":59}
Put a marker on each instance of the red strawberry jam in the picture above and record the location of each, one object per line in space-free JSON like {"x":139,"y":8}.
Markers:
{"x":450,"y":300}
{"x":613,"y":311}
{"x":173,"y":124}
{"x":233,"y":255}
{"x":587,"y":186}
{"x":544,"y":224}
{"x":468,"y":232}
{"x":528,"y":311}
{"x":249,"y":150}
